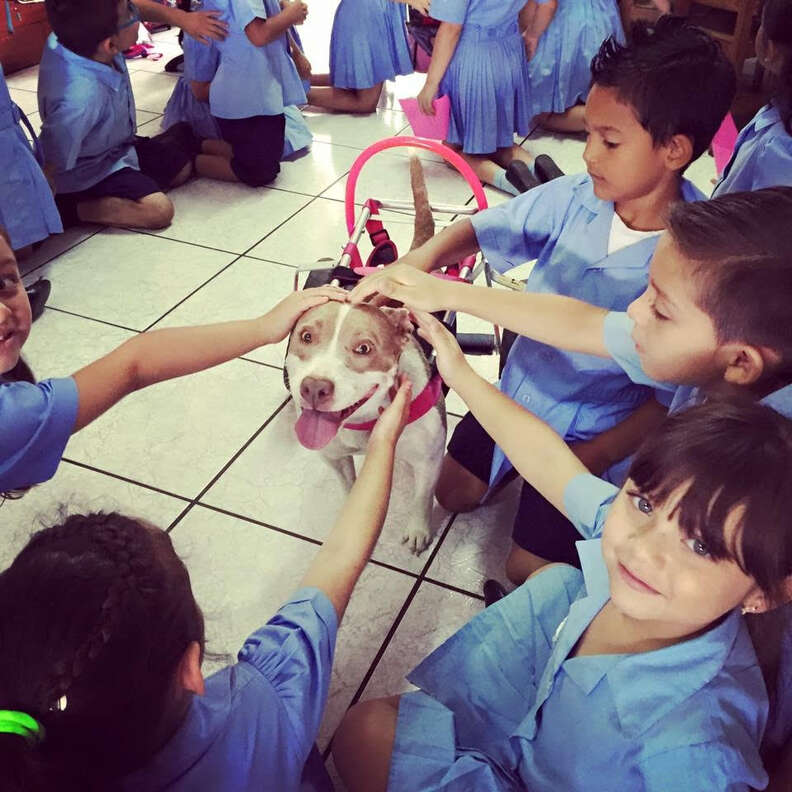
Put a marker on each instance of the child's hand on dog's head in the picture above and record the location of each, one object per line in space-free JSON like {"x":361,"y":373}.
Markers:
{"x":451,"y":361}
{"x":394,"y":417}
{"x":278,"y":323}
{"x":405,"y":284}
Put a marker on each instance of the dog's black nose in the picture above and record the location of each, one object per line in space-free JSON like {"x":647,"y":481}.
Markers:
{"x":316,"y":391}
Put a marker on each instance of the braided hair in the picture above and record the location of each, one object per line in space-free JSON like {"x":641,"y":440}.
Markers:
{"x":96,"y":613}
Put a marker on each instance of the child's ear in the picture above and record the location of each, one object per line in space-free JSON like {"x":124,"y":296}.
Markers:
{"x":745,"y":364}
{"x":107,"y":49}
{"x":189,"y":671}
{"x":678,"y":152}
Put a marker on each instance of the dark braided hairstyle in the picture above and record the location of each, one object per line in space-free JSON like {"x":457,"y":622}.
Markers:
{"x":98,"y":610}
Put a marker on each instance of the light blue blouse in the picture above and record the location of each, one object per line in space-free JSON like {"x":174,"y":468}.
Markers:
{"x":566,"y":228}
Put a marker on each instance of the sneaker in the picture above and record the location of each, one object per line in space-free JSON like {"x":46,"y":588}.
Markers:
{"x":546,"y":170}
{"x":38,"y":294}
{"x":519,"y":175}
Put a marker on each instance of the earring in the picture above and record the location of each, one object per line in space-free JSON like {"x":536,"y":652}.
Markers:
{"x":60,"y":705}
{"x":748,"y":609}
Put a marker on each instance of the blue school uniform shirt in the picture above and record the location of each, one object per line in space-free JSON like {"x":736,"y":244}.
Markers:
{"x":252,"y":81}
{"x":257,"y":722}
{"x":762,"y":155}
{"x":566,"y":228}
{"x":88,"y":117}
{"x":502,"y":706}
{"x":36,"y":422}
{"x":482,"y":13}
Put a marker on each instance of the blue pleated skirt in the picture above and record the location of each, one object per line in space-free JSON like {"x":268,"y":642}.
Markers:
{"x":560,"y":71}
{"x":368,"y":44}
{"x":487,"y":82}
{"x":183,"y":106}
{"x":27,"y":208}
{"x":298,"y":135}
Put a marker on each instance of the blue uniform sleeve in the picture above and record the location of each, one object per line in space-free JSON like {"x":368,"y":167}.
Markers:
{"x":35,"y":424}
{"x":517,"y":230}
{"x":294,"y":651}
{"x":67,"y":122}
{"x":773,"y":164}
{"x":712,"y":766}
{"x":449,"y":10}
{"x":201,"y":60}
{"x":587,"y":500}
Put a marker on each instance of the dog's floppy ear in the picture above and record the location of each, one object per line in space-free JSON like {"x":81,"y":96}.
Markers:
{"x":400,"y":319}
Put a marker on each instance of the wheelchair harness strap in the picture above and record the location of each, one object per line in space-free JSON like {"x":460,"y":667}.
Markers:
{"x":420,"y":405}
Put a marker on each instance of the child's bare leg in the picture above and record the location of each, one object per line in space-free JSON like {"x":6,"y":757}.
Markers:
{"x":363,"y":744}
{"x":521,"y":564}
{"x":320,"y":79}
{"x":215,"y":166}
{"x":505,"y":156}
{"x":151,"y":211}
{"x":217,"y":147}
{"x":364,"y":100}
{"x":459,"y":490}
{"x":484,"y":167}
{"x":570,"y":121}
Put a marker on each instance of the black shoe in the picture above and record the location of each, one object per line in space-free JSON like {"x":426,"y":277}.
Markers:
{"x":38,"y":294}
{"x":519,"y":175}
{"x":175,"y":65}
{"x":493,"y":591}
{"x":546,"y":169}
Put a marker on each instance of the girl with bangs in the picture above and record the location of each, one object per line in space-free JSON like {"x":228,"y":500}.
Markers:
{"x":636,"y":672}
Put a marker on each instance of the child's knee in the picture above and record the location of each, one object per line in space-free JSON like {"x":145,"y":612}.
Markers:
{"x":521,"y":564}
{"x":255,"y":171}
{"x":458,"y":490}
{"x":157,"y":211}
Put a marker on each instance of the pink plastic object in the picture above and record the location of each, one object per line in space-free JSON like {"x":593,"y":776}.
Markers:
{"x":434,"y":127}
{"x":723,"y":143}
{"x":446,"y":153}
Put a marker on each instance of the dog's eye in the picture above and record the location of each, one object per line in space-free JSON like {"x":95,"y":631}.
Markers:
{"x":305,"y":337}
{"x":363,"y":349}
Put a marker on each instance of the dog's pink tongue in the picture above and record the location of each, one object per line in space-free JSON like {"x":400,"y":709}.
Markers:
{"x":316,"y":429}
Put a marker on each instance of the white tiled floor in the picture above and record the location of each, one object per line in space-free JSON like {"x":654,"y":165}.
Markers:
{"x":213,"y":457}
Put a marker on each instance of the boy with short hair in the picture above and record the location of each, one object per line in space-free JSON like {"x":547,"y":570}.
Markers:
{"x":593,"y":237}
{"x":102,"y":172}
{"x":714,"y":319}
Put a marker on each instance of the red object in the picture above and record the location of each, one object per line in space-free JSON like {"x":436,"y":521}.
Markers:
{"x":723,"y":143}
{"x":419,"y":406}
{"x":22,"y":43}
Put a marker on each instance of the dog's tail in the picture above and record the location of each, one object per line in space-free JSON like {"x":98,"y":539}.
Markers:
{"x":424,"y":228}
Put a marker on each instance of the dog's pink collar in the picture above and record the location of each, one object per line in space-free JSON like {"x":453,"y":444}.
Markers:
{"x":420,"y":405}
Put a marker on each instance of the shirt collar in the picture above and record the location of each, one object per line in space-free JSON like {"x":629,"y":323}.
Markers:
{"x":675,"y":673}
{"x":586,"y":196}
{"x":766,"y":117}
{"x":112,"y":75}
{"x":780,"y":401}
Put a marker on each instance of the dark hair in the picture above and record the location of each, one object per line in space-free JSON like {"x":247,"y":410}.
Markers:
{"x":81,"y":25}
{"x":777,"y":24}
{"x":97,"y":609}
{"x":674,"y":76}
{"x":740,"y":245}
{"x":727,"y":456}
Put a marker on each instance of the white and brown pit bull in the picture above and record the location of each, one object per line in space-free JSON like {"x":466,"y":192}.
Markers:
{"x":342,"y":362}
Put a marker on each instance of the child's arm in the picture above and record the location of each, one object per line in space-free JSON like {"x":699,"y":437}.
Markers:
{"x":201,"y":25}
{"x":563,"y":322}
{"x":537,"y":452}
{"x":164,"y":354}
{"x":337,"y":566}
{"x":301,"y":63}
{"x":200,"y":90}
{"x":263,"y":31}
{"x":540,"y":20}
{"x":444,"y":46}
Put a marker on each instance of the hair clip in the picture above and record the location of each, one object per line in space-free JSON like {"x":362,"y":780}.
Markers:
{"x":60,"y":705}
{"x":748,"y":609}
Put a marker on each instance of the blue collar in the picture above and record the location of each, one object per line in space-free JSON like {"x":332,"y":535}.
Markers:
{"x":677,"y":672}
{"x":112,"y":75}
{"x":780,"y":401}
{"x":766,"y":117}
{"x":584,"y":191}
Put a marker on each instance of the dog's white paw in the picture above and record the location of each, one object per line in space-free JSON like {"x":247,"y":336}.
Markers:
{"x":417,"y":538}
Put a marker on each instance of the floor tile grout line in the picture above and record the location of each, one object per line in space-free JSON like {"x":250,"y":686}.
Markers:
{"x":93,"y":319}
{"x":62,"y":252}
{"x":193,"y":292}
{"x":125,"y":479}
{"x":228,"y":464}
